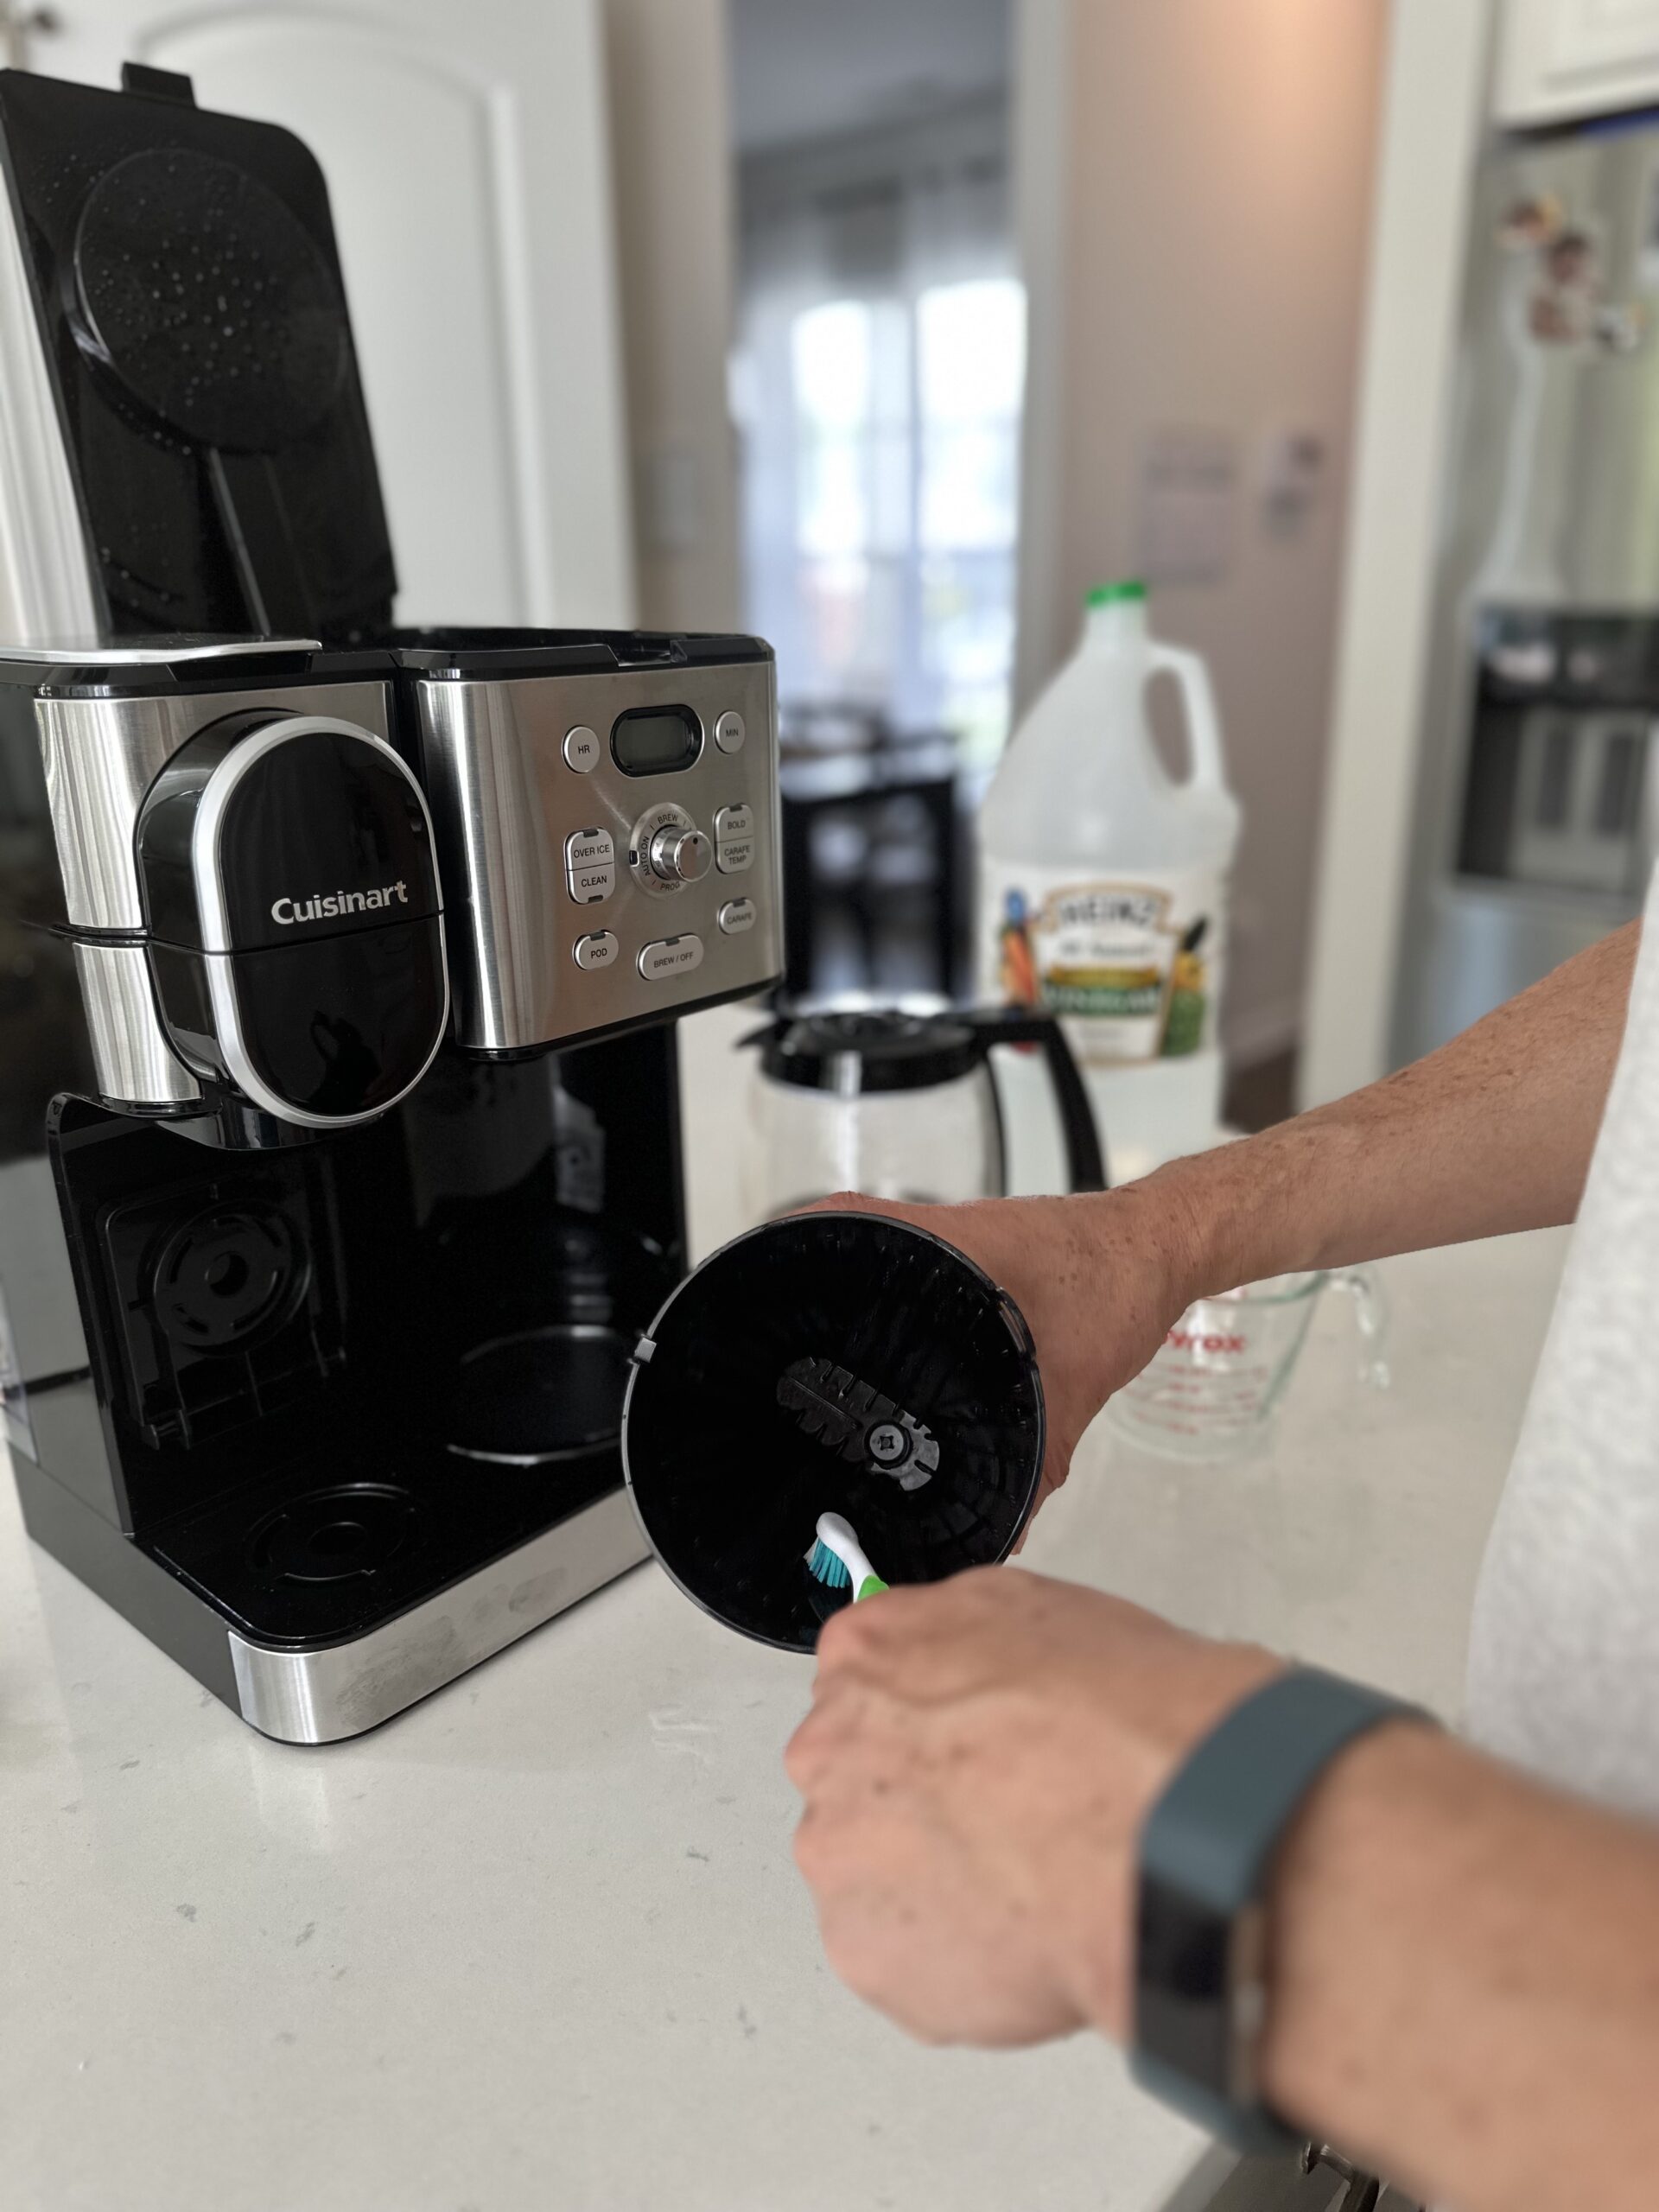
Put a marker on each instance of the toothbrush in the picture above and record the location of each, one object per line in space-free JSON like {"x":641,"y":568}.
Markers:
{"x":838,"y":1558}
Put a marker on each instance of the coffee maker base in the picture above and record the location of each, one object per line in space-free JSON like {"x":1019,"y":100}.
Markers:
{"x":323,"y":1693}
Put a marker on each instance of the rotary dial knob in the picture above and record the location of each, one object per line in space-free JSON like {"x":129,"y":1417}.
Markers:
{"x":679,"y":855}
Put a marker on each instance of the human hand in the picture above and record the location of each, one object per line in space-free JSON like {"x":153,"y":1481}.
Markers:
{"x":1100,"y":1280}
{"x":978,"y":1759}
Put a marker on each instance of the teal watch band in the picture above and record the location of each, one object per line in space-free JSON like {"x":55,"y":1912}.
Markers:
{"x":1205,"y":1853}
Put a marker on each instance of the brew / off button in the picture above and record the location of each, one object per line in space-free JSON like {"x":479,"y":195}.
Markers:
{"x":581,"y":749}
{"x":736,"y":916}
{"x":598,"y":950}
{"x":590,"y":865}
{"x":671,"y":956}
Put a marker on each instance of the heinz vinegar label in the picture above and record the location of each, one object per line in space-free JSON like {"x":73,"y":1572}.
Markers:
{"x":1134,"y":966}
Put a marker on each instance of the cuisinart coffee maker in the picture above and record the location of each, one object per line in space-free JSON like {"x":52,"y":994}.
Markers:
{"x":340,"y":1168}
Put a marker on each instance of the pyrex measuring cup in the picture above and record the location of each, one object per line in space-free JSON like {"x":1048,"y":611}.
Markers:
{"x":1212,"y":1387}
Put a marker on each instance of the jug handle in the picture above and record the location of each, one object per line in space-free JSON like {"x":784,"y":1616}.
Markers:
{"x":1086,"y":1161}
{"x":1202,"y":723}
{"x":1365,"y":1285}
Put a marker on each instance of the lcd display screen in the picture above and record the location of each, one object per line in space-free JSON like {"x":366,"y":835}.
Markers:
{"x":654,"y":741}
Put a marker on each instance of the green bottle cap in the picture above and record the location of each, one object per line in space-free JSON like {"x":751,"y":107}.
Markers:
{"x":1129,"y":587}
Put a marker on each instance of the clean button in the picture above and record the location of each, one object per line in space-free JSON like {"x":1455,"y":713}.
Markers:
{"x":671,"y":956}
{"x":598,"y":950}
{"x":581,"y":749}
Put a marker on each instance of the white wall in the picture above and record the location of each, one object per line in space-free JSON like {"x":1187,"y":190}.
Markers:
{"x":813,"y":68}
{"x":1196,"y":184}
{"x":667,"y":63}
{"x":1436,"y":92}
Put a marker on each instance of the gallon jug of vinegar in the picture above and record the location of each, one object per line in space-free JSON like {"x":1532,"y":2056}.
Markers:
{"x":1103,"y":891}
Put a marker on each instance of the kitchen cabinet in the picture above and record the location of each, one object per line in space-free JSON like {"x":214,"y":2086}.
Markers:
{"x":1557,"y":59}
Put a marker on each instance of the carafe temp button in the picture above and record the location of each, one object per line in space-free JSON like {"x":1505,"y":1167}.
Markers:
{"x":599,"y":951}
{"x":590,"y":865}
{"x":581,"y":749}
{"x":735,"y":840}
{"x":671,"y":956}
{"x":736,"y":916}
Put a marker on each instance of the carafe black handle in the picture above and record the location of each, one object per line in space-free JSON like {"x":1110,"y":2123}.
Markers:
{"x":1086,"y":1161}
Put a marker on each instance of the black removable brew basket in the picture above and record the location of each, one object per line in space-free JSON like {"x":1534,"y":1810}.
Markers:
{"x":831,"y":1362}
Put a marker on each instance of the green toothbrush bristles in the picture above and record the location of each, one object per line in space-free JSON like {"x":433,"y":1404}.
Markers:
{"x":828,"y":1568}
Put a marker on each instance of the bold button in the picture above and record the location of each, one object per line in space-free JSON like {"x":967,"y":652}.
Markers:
{"x":729,"y":732}
{"x":734,"y":855}
{"x":581,"y":749}
{"x":734,"y":822}
{"x":599,"y":951}
{"x":671,"y":955}
{"x":736,"y":916}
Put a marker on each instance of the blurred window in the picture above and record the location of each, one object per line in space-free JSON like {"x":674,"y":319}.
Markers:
{"x":878,"y":384}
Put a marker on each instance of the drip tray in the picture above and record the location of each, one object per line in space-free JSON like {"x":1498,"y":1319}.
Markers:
{"x":543,"y":1396}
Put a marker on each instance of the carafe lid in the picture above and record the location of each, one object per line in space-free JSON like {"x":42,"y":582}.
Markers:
{"x":830,"y":1362}
{"x":868,"y":1049}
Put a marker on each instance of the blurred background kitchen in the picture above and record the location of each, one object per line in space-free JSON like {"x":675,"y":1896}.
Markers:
{"x":887,"y":330}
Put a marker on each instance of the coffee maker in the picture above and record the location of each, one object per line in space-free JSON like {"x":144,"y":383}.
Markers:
{"x":339,"y":1161}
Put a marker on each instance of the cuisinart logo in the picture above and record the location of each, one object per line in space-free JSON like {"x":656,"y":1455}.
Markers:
{"x":321,"y":905}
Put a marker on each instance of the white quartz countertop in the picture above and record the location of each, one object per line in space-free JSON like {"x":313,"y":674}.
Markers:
{"x":539,"y":1942}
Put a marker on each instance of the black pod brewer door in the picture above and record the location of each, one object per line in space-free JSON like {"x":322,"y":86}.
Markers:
{"x":830,"y":1362}
{"x":295,"y":918}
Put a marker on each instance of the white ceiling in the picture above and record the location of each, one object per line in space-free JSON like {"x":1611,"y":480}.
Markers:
{"x":809,"y":68}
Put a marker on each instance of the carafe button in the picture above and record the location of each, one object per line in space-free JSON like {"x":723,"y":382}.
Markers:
{"x":736,"y":916}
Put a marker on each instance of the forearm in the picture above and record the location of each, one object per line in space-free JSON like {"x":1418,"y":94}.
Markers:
{"x":1492,"y":1133}
{"x":1466,"y":1981}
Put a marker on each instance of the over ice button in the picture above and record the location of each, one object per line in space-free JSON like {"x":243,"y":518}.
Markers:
{"x":671,"y":956}
{"x":590,"y":865}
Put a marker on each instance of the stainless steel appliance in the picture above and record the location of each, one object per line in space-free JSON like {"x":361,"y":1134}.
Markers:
{"x":1536,"y":827}
{"x":339,"y":1163}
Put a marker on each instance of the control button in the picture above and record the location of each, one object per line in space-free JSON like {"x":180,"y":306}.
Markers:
{"x":729,"y":732}
{"x":671,"y":955}
{"x":680,"y":855}
{"x":599,"y":951}
{"x":581,"y":749}
{"x":736,"y":916}
{"x":735,"y":855}
{"x":590,"y":865}
{"x":589,"y":885}
{"x":733,"y":822}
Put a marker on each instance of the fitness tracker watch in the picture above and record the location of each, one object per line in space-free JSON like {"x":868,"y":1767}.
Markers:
{"x":1205,"y":1853}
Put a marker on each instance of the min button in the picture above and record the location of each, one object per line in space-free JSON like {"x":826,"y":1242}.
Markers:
{"x":729,"y":732}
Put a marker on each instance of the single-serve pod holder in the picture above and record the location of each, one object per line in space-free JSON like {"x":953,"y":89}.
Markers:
{"x":830,"y":1362}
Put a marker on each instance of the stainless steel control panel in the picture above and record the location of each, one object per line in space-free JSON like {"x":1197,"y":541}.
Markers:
{"x":579,"y":896}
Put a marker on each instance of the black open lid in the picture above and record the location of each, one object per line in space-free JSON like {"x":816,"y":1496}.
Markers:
{"x":763,"y":1385}
{"x":187,"y":293}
